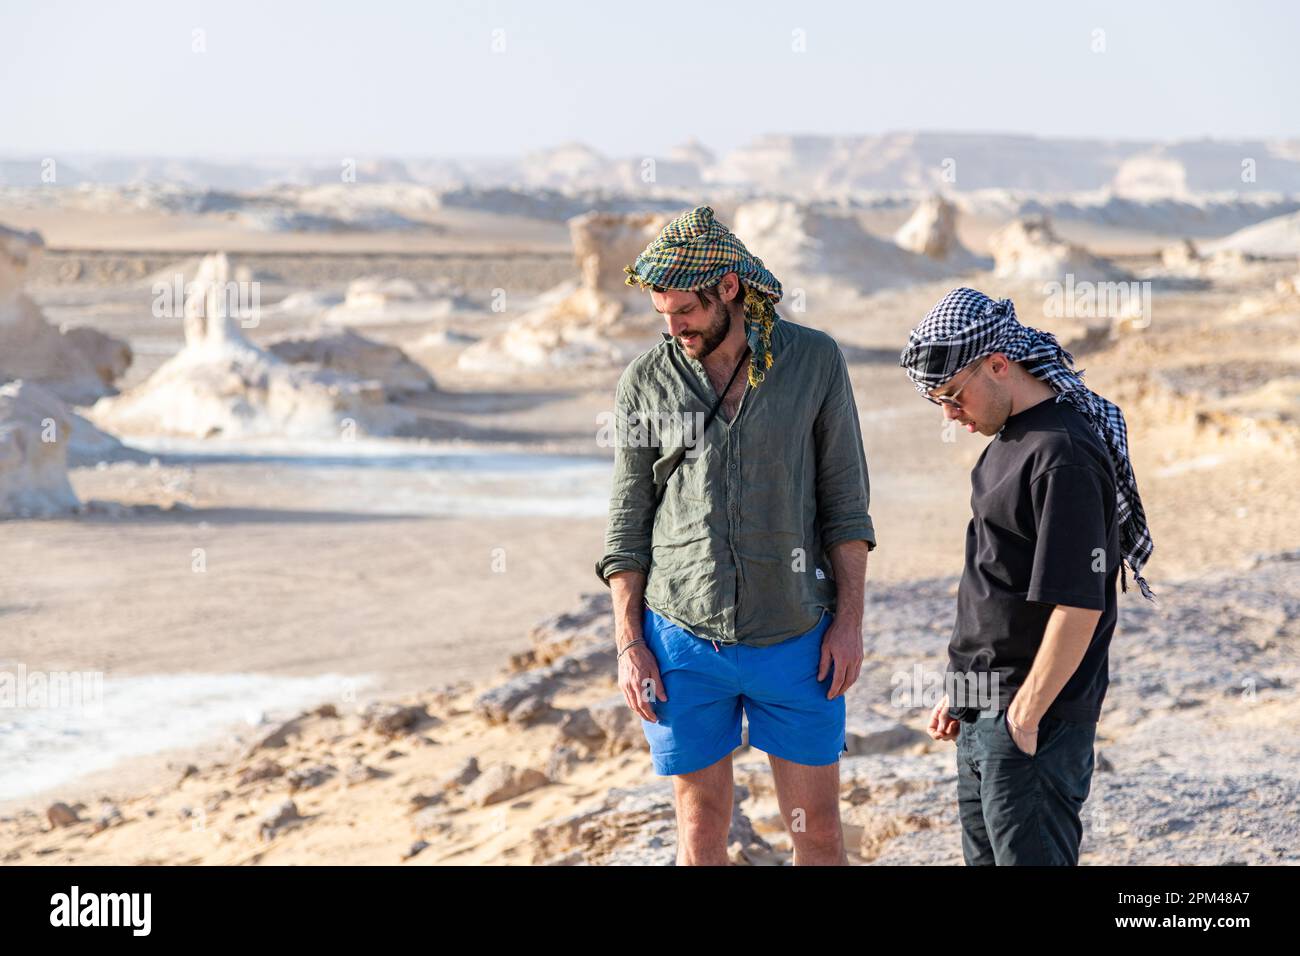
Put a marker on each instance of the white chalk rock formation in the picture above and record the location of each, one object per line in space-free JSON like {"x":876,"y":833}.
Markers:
{"x":79,"y":365}
{"x":377,"y":299}
{"x":931,"y":231}
{"x":565,"y":165}
{"x":220,"y":384}
{"x":694,"y":152}
{"x":1216,"y":262}
{"x":1276,"y":238}
{"x":347,"y":353}
{"x":1151,"y":175}
{"x":1029,"y":248}
{"x":303,"y":304}
{"x":595,"y":322}
{"x":35,"y":434}
{"x":109,"y":357}
{"x":18,"y":252}
{"x":1281,"y":302}
{"x":827,"y":250}
{"x":1180,"y":255}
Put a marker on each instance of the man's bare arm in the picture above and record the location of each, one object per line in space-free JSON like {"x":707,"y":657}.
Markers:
{"x":638,"y":671}
{"x":849,"y":559}
{"x":842,"y":644}
{"x":628,"y":594}
{"x":1066,"y":638}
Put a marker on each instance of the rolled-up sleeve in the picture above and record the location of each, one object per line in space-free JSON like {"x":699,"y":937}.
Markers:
{"x":632,"y":497}
{"x":843,"y":489}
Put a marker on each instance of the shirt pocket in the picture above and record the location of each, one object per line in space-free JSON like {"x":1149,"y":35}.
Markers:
{"x":692,"y":475}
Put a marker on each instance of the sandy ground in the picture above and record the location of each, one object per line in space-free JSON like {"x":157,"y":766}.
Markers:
{"x":118,"y":230}
{"x":545,"y":764}
{"x":323,"y":569}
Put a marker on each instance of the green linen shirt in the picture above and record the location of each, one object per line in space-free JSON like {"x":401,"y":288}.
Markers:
{"x":737,"y":551}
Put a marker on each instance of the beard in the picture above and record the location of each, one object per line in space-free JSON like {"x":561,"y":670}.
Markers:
{"x":712,"y":335}
{"x":998,"y":403}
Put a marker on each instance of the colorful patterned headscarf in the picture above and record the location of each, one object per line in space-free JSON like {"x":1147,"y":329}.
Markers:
{"x":967,"y":325}
{"x":693,"y":252}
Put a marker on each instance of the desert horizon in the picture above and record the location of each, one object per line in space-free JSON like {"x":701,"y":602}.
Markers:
{"x":303,"y":474}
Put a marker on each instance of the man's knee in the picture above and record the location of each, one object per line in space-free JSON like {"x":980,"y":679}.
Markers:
{"x":821,"y":833}
{"x":704,"y":818}
{"x":704,"y":801}
{"x":702,"y":829}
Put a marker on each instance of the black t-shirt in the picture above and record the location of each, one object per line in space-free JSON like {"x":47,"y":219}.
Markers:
{"x":1044,"y":532}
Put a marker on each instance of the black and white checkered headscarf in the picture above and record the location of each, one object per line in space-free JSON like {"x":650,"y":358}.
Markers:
{"x":967,"y":325}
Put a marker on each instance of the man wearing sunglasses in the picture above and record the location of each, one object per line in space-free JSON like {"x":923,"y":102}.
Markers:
{"x":1056,"y":513}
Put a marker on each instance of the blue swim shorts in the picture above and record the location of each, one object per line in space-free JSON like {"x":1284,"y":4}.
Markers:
{"x":708,"y":686}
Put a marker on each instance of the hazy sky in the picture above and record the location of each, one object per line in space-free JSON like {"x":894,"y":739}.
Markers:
{"x":403,"y":79}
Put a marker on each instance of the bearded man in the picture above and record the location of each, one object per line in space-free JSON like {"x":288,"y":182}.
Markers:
{"x":736,"y":553}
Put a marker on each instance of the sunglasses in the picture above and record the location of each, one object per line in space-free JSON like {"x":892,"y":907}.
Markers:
{"x":950,"y":400}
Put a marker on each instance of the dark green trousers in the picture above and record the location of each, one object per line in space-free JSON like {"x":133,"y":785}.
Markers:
{"x":1017,"y":809}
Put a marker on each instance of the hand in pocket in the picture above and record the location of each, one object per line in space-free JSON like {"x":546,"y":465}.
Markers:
{"x":1026,"y":743}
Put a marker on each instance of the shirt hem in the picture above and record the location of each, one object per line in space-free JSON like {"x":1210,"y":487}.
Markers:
{"x":611,"y":565}
{"x":866,"y":534}
{"x":1069,"y":598}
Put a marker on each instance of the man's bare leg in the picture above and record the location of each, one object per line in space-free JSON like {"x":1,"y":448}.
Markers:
{"x":704,"y":800}
{"x":809,"y":798}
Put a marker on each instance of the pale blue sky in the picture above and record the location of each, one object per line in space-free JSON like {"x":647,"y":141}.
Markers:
{"x":405,"y":79}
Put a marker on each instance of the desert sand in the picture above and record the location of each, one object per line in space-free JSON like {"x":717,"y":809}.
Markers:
{"x":341,"y":557}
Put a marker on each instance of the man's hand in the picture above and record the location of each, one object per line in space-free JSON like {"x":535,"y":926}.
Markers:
{"x":638,"y":679}
{"x":841,"y":644}
{"x":1026,"y":738}
{"x":1066,"y":638}
{"x":942,"y":727}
